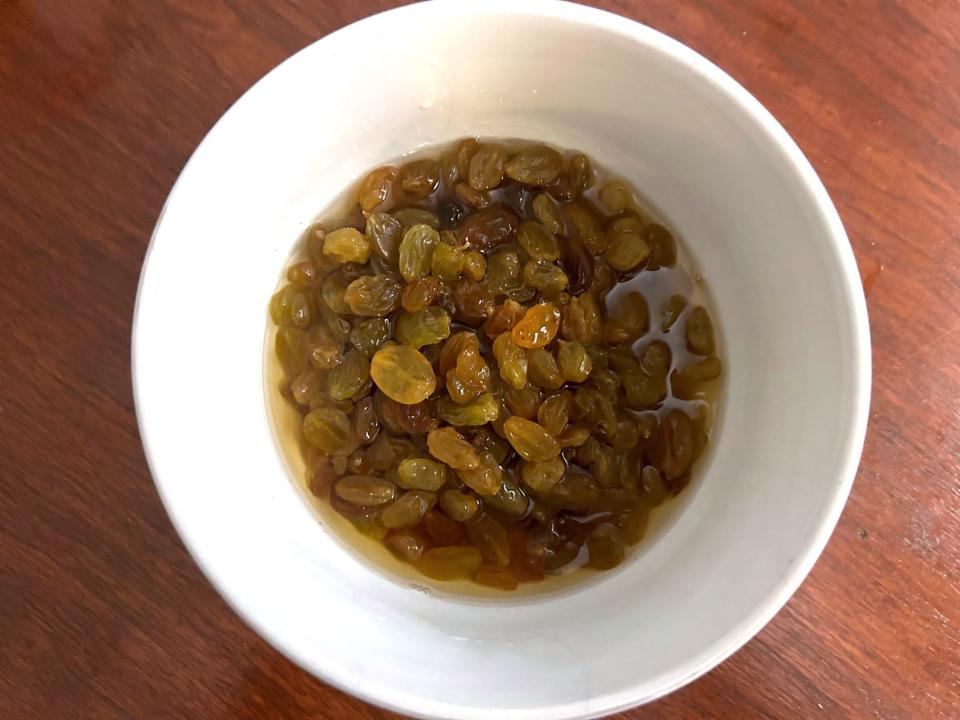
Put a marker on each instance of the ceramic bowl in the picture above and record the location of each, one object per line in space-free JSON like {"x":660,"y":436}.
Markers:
{"x":756,"y":222}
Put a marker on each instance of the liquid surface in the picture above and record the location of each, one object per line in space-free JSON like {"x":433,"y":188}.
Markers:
{"x":488,"y":360}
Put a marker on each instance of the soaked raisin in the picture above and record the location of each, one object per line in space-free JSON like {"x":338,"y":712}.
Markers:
{"x":491,"y":539}
{"x":425,"y":327}
{"x":545,"y":277}
{"x":384,"y":232}
{"x":615,"y":196}
{"x":663,"y":246}
{"x":450,"y":214}
{"x":692,"y":381}
{"x":542,"y":476}
{"x":416,"y":251}
{"x":471,"y":196}
{"x":479,"y":411}
{"x":501,"y":578}
{"x":403,"y":374}
{"x":450,"y":563}
{"x":323,"y":351}
{"x":347,"y":245}
{"x":290,"y":347}
{"x":293,"y":307}
{"x":421,"y":474}
{"x":573,"y":436}
{"x":373,"y":295}
{"x":543,"y":370}
{"x":349,"y":377}
{"x":486,"y":477}
{"x":671,"y":311}
{"x":452,"y":348}
{"x":537,"y":327}
{"x":305,"y":387}
{"x":580,"y":172}
{"x":582,"y":320}
{"x":365,"y":490}
{"x":547,"y":213}
{"x":460,"y":506}
{"x":365,"y":424}
{"x":472,"y":374}
{"x":368,"y":335}
{"x":410,"y":216}
{"x":442,"y":530}
{"x":699,"y":332}
{"x":574,"y":361}
{"x":420,"y":177}
{"x":628,"y":319}
{"x":464,"y":153}
{"x":449,"y":446}
{"x":509,"y":500}
{"x":486,"y":167}
{"x":405,"y":546}
{"x":420,"y":294}
{"x":523,"y":402}
{"x":511,"y":360}
{"x":503,"y":272}
{"x":408,"y":419}
{"x":329,"y":431}
{"x":575,"y":491}
{"x":584,"y":226}
{"x":376,"y":190}
{"x":472,"y":301}
{"x":606,"y":546}
{"x":446,"y":263}
{"x":408,"y":509}
{"x":531,"y":440}
{"x":579,"y":265}
{"x":303,"y":272}
{"x":535,"y":165}
{"x":671,"y":447}
{"x":504,"y":318}
{"x":626,"y":252}
{"x":334,"y":286}
{"x":554,"y":412}
{"x":489,"y":227}
{"x":474,"y":265}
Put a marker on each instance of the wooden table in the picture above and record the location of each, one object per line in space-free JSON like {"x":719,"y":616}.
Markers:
{"x":102,"y":612}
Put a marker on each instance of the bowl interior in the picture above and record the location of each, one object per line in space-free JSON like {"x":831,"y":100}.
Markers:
{"x":706,"y":156}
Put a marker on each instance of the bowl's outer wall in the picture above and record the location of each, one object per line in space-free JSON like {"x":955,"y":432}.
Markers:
{"x":708,"y":157}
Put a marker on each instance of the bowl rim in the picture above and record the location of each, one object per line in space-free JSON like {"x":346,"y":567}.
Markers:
{"x":855,"y":305}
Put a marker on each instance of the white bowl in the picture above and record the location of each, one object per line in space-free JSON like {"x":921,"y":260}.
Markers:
{"x":751,"y":212}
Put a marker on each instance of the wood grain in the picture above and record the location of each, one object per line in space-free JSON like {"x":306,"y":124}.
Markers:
{"x":102,"y":612}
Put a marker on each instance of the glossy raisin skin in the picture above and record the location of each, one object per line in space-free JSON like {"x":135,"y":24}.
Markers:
{"x":489,"y":227}
{"x":480,"y":382}
{"x":372,"y":295}
{"x":403,"y":374}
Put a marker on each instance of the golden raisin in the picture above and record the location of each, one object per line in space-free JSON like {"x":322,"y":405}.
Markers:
{"x":537,"y":327}
{"x":403,"y":374}
{"x":448,"y":446}
{"x":531,"y":440}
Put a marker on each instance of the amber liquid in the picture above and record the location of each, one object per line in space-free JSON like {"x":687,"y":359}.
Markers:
{"x":657,"y":286}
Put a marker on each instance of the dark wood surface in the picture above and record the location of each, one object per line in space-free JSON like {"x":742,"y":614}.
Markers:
{"x":102,"y":612}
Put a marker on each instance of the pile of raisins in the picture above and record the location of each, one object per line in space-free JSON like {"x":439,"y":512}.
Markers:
{"x":472,"y":392}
